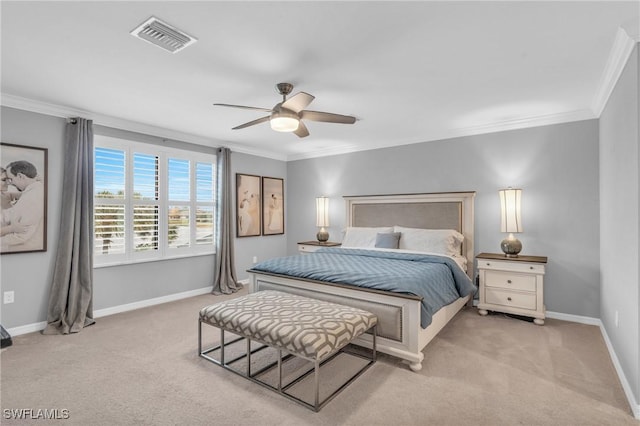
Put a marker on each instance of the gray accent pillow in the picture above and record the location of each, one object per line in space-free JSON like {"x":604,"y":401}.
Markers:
{"x":388,"y":240}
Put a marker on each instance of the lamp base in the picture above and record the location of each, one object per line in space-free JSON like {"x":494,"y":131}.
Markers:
{"x":511,"y":246}
{"x":322,"y":236}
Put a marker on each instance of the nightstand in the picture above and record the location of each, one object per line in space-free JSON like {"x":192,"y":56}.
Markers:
{"x":311,"y":246}
{"x":513,"y":285}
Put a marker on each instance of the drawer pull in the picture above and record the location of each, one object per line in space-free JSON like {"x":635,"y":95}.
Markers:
{"x":509,"y":299}
{"x":530,"y":267}
{"x":508,"y":281}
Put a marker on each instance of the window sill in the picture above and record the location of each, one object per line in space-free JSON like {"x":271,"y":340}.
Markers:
{"x":134,"y":262}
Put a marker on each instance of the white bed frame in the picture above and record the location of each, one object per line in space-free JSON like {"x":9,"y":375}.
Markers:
{"x":399,"y":312}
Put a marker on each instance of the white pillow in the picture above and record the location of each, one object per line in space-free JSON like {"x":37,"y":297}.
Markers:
{"x":362,"y":237}
{"x":439,"y":241}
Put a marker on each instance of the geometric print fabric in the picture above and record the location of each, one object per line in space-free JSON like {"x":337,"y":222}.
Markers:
{"x":307,"y":327}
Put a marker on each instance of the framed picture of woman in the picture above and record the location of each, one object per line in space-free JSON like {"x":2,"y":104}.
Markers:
{"x":273,"y":206}
{"x":248,"y":205}
{"x":24,"y":199}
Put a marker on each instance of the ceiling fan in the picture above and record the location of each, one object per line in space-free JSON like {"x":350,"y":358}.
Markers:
{"x":287,"y":116}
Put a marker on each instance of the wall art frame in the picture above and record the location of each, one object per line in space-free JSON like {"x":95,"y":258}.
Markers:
{"x":248,"y":205}
{"x":272,"y":206}
{"x":24,"y":198}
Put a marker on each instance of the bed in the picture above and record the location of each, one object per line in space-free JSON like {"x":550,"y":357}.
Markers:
{"x":401,"y":315}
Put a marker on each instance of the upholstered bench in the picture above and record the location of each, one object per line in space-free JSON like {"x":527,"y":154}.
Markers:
{"x":307,"y":328}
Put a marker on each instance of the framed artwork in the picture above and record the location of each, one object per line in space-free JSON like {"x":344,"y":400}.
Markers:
{"x":272,"y":206}
{"x":24,"y":199}
{"x":248,"y":204}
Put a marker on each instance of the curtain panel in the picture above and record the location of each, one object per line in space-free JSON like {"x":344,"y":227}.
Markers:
{"x":225,"y":271}
{"x":71,"y":297}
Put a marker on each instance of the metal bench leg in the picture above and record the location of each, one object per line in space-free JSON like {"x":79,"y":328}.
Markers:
{"x":222,"y":346}
{"x":317,"y":384}
{"x":248,"y":357}
{"x":199,"y":337}
{"x":375,"y":335}
{"x":317,"y":404}
{"x":280,"y":370}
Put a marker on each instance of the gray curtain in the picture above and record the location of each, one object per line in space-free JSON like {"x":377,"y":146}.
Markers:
{"x":225,"y":272}
{"x":71,"y":297}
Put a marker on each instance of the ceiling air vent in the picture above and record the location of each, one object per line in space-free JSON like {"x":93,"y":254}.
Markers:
{"x":163,"y":35}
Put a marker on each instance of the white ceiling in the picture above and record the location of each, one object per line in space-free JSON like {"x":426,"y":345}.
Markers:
{"x":409,"y":71}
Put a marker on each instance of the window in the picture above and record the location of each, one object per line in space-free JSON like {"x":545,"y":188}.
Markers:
{"x":151,"y":202}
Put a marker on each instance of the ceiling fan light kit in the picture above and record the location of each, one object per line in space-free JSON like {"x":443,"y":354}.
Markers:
{"x":286,"y":116}
{"x":284,"y":121}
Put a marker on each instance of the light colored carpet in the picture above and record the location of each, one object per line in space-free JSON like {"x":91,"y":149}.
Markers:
{"x":142,"y":367}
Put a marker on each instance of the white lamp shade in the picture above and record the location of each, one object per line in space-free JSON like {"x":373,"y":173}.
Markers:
{"x":322,"y":211}
{"x":510,"y":207}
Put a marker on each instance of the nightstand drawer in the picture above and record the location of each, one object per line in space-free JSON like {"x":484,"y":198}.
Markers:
{"x":311,"y":246}
{"x":508,"y":298}
{"x":304,"y":248}
{"x":511,"y":266}
{"x":510,"y":281}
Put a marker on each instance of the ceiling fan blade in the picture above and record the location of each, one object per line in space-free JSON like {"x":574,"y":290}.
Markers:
{"x":327,"y":117}
{"x":244,"y":107}
{"x":298,"y":102}
{"x":302,"y":130}
{"x":252,"y":123}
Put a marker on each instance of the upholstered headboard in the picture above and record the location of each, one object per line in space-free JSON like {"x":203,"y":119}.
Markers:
{"x":446,"y":210}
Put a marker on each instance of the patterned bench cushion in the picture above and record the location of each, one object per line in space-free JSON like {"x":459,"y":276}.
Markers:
{"x":307,"y":327}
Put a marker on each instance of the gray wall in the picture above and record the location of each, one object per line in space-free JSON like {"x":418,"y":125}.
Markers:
{"x":267,"y":246}
{"x":30,"y":274}
{"x":620,"y":221}
{"x":556,"y":166}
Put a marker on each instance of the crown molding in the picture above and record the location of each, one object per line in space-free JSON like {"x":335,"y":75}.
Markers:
{"x":626,"y":39}
{"x":632,"y":28}
{"x":525,"y":122}
{"x":18,"y":102}
{"x":520,"y":123}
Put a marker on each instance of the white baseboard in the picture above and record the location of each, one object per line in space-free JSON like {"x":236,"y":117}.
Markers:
{"x":38,"y":326}
{"x":29,"y":328}
{"x":566,"y":317}
{"x":635,"y":406}
{"x":574,"y":318}
{"x":150,"y":302}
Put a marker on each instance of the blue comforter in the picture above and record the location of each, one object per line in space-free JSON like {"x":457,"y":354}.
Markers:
{"x":437,"y":279}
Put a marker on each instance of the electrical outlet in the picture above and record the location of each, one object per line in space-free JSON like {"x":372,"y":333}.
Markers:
{"x":8,"y":297}
{"x":255,"y":259}
{"x":616,"y":319}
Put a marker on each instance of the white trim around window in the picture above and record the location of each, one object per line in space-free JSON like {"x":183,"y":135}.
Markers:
{"x":151,"y":202}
